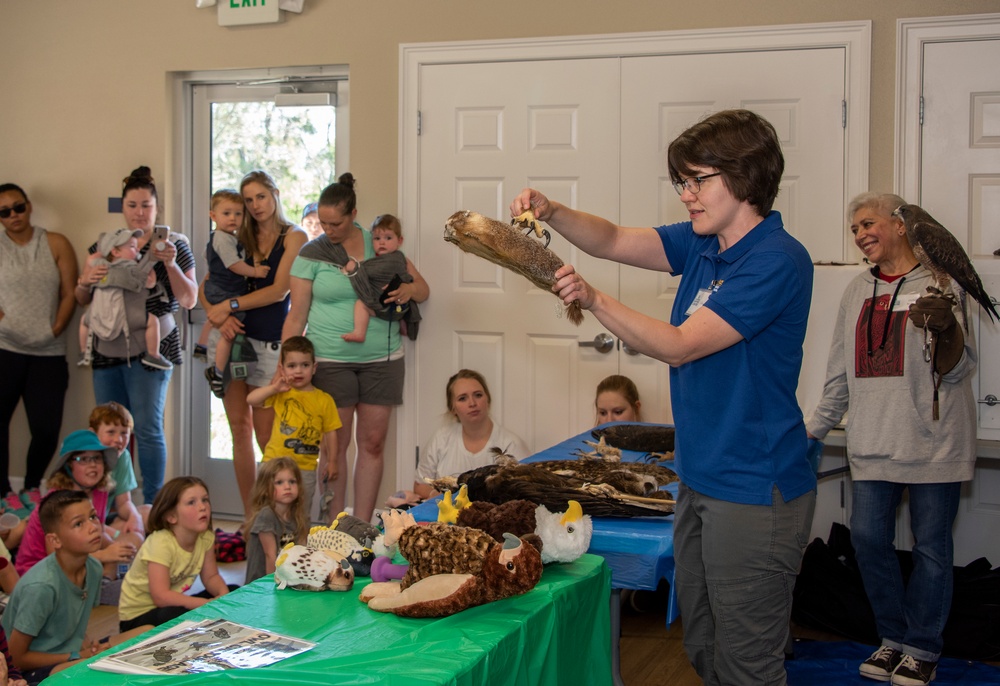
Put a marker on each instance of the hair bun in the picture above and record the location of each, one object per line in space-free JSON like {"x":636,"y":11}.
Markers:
{"x":347,"y":178}
{"x":142,"y":173}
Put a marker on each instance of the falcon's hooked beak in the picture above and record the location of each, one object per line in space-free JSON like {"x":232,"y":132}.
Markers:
{"x":898,"y":212}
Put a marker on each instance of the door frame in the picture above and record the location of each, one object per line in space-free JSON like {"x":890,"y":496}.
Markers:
{"x":911,"y":35}
{"x":190,"y":179}
{"x":854,"y":37}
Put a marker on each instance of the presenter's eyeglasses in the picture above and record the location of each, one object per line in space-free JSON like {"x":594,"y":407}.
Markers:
{"x":693,"y":184}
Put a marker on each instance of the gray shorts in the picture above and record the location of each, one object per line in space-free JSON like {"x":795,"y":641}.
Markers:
{"x":372,"y":383}
{"x":268,"y":354}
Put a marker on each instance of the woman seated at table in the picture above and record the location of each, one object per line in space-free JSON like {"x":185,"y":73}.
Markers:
{"x":617,"y":400}
{"x":467,"y":442}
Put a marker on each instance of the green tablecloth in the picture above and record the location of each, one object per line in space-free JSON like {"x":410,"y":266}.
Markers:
{"x":558,"y":633}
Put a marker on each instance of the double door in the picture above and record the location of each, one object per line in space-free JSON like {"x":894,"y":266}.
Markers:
{"x":592,"y":133}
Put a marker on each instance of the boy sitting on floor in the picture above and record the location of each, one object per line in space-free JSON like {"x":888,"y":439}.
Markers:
{"x":48,"y":612}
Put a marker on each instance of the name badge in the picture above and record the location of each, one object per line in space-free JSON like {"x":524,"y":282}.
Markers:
{"x":699,"y":300}
{"x":904,"y":301}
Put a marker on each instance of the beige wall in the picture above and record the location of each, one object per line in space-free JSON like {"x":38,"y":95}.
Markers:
{"x":85,"y":94}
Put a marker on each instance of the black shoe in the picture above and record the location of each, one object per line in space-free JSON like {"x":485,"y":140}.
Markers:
{"x":200,"y":353}
{"x":914,"y":672}
{"x":215,"y":382}
{"x":882,"y":663}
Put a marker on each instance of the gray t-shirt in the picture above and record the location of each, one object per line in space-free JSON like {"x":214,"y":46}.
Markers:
{"x":267,"y":521}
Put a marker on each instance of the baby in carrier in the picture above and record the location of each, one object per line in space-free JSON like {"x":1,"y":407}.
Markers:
{"x":115,"y":296}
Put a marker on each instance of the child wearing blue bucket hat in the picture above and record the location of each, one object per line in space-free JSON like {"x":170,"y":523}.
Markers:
{"x":84,"y":464}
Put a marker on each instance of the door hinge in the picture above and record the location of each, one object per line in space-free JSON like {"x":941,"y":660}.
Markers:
{"x":416,"y":456}
{"x":843,"y":114}
{"x":921,"y":120}
{"x":420,"y":122}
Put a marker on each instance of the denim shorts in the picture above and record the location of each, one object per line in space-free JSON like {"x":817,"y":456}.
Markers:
{"x":268,"y":355}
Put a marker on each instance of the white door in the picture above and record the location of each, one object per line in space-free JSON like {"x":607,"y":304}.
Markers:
{"x":960,"y":186}
{"x":801,"y":93}
{"x":488,"y":130}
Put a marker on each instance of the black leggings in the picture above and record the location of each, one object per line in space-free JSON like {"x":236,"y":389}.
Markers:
{"x":161,"y":615}
{"x":41,"y":383}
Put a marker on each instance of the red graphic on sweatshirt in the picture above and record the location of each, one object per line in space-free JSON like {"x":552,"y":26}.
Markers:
{"x":885,"y":361}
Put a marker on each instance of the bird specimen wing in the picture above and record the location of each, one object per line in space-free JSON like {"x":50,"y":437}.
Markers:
{"x":500,"y":483}
{"x":504,"y":245}
{"x":642,"y":438}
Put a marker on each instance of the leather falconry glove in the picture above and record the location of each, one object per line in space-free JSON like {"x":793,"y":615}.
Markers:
{"x":936,"y":315}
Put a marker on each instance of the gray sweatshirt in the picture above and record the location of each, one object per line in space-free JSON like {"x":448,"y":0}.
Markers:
{"x":891,"y":435}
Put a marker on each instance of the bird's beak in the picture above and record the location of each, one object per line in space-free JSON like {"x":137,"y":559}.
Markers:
{"x":573,"y":513}
{"x":898,"y":212}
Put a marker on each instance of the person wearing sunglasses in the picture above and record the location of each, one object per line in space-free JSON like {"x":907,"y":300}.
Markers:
{"x":38,"y":270}
{"x":734,"y":346}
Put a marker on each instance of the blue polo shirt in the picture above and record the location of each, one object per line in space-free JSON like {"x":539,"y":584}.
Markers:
{"x":739,"y":426}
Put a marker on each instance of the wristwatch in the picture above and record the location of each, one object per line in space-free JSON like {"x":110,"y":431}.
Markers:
{"x":234,"y":304}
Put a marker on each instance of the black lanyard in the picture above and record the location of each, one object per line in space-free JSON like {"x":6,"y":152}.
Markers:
{"x":888,"y":314}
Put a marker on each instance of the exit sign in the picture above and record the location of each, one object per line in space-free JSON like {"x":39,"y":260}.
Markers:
{"x":239,"y":12}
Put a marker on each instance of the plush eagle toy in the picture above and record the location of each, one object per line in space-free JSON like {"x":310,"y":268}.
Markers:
{"x":453,"y":568}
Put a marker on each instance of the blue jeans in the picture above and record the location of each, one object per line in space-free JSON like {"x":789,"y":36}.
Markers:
{"x":735,"y":570}
{"x":909,"y":619}
{"x":144,"y":392}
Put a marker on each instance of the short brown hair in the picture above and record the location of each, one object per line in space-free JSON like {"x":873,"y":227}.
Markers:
{"x":51,"y":509}
{"x":168,"y":497}
{"x":226,"y":195}
{"x":740,"y":144}
{"x":297,"y":344}
{"x":387,"y":222}
{"x":110,"y":413}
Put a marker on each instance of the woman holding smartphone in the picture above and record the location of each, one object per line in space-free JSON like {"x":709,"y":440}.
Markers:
{"x":118,"y":376}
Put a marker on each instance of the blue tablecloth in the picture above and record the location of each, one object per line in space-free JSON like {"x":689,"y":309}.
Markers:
{"x":639,"y":550}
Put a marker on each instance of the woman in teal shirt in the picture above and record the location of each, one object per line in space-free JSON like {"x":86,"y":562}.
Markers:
{"x":365,"y":379}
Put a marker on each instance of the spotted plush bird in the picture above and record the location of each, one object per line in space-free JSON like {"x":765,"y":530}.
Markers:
{"x":940,"y":252}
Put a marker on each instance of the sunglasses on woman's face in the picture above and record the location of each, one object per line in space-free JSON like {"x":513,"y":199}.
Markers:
{"x":19,"y":208}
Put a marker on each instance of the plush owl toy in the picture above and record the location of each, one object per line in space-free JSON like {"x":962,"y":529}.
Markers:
{"x":310,"y":569}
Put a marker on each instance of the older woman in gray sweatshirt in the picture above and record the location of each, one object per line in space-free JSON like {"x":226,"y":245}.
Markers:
{"x":911,"y":425}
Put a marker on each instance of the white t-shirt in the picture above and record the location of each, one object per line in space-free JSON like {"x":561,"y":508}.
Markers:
{"x":446,"y":455}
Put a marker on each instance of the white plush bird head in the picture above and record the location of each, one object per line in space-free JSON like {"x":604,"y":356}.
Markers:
{"x":565,"y":535}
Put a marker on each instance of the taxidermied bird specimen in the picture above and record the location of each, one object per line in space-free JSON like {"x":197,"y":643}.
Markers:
{"x":505,"y":245}
{"x":940,"y":252}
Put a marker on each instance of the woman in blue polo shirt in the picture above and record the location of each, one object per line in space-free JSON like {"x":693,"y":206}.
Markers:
{"x":734,"y":346}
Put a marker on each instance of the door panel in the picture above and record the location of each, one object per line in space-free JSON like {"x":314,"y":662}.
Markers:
{"x":488,"y":130}
{"x":960,"y":187}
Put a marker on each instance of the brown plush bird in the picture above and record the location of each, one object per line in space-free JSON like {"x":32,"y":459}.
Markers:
{"x":504,"y":245}
{"x":940,"y":252}
{"x":508,"y":569}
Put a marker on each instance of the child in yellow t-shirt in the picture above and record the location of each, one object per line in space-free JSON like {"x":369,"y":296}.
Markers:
{"x":305,"y":418}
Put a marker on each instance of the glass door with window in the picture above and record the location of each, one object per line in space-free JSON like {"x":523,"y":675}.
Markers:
{"x":289,"y":131}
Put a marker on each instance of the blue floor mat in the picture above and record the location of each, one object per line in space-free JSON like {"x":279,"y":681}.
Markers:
{"x":822,"y":663}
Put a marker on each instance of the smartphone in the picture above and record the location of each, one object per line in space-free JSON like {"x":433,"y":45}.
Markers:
{"x":160,"y":235}
{"x":393,"y":285}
